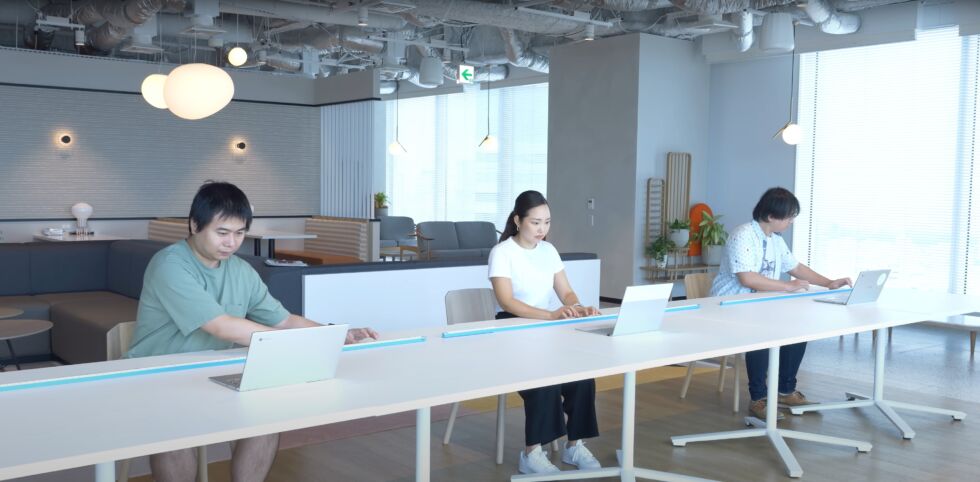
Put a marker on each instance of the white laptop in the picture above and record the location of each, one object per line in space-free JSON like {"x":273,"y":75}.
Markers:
{"x":642,"y":310}
{"x":288,"y":357}
{"x":866,"y":289}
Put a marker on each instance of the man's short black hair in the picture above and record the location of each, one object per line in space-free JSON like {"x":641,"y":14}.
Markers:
{"x":776,"y":203}
{"x":219,"y":199}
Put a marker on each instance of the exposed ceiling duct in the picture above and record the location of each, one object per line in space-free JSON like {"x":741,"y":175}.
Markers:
{"x":521,"y":57}
{"x":496,"y":15}
{"x":743,"y":35}
{"x":120,"y":18}
{"x":715,"y":7}
{"x":831,"y":21}
{"x":308,"y":12}
{"x":328,"y":39}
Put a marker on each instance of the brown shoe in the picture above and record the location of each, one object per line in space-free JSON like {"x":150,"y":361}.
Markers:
{"x":794,"y":399}
{"x":758,"y":410}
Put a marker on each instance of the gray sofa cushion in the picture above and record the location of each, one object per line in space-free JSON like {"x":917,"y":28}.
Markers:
{"x":58,"y":298}
{"x":34,"y":309}
{"x":80,"y":327}
{"x":127,"y":264}
{"x":15,"y":266}
{"x":441,"y":235}
{"x":61,"y":267}
{"x":476,"y":234}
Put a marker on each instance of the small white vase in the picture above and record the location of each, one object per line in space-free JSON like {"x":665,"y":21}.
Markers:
{"x":379,"y":212}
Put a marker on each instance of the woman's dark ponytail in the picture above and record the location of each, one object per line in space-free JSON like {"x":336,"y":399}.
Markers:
{"x":525,"y":202}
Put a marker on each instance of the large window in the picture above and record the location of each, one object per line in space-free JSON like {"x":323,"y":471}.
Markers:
{"x":886,"y":170}
{"x":444,"y":177}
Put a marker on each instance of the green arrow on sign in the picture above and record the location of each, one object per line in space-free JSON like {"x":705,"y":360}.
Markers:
{"x":467,"y":75}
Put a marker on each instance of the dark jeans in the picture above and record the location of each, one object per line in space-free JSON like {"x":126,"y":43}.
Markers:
{"x":545,"y":410}
{"x":757,"y":368}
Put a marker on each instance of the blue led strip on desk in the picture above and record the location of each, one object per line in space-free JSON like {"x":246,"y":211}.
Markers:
{"x":784,"y":297}
{"x":178,"y":368}
{"x":384,"y":343}
{"x":528,"y":326}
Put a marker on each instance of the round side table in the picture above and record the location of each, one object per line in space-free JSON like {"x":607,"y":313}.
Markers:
{"x":8,"y":312}
{"x":13,"y":329}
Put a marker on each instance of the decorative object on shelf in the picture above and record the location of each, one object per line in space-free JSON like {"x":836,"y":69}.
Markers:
{"x":694,"y":246}
{"x":712,"y":236}
{"x":380,"y":204}
{"x":658,"y":249}
{"x":680,"y":232}
{"x":81,"y":211}
{"x":196,"y":91}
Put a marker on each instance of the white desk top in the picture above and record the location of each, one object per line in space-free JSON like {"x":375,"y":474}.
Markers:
{"x":77,"y":237}
{"x":188,"y":410}
{"x":266,"y":234}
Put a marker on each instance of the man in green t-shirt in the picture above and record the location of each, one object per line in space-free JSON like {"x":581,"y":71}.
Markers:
{"x":197,"y":295}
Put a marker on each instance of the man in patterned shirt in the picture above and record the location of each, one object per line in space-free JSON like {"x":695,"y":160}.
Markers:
{"x":755,"y":259}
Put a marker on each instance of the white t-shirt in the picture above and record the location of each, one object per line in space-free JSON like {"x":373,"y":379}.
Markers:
{"x":531,"y":271}
{"x":749,"y":250}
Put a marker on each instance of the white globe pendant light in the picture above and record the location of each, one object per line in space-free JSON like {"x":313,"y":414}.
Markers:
{"x":196,"y":91}
{"x":152,"y":90}
{"x":237,"y":56}
{"x":792,"y":134}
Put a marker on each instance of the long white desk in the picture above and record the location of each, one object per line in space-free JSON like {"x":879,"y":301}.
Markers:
{"x":71,"y":427}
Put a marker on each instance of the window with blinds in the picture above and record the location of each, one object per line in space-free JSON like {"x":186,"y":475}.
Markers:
{"x":885,"y":171}
{"x":444,"y":177}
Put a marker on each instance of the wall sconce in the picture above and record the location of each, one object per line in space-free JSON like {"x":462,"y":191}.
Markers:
{"x":240,"y":146}
{"x":65,"y":139}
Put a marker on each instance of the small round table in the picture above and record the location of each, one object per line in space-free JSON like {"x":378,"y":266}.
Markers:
{"x":12,"y":329}
{"x":8,"y":312}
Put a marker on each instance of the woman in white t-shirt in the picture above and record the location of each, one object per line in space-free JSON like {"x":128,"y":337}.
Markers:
{"x":755,"y":259}
{"x":526,"y":271}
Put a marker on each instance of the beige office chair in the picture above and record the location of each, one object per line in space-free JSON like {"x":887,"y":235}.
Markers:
{"x":117,"y":344}
{"x":464,"y":306}
{"x":698,"y":285}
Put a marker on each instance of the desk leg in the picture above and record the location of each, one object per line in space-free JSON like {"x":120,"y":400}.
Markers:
{"x":105,"y":472}
{"x":257,"y":247}
{"x":423,"y":426}
{"x":769,"y":429}
{"x":626,"y":471}
{"x":878,"y":399}
{"x":272,"y":249}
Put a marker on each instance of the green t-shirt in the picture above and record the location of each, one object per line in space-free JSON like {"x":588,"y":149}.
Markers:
{"x":180,"y":294}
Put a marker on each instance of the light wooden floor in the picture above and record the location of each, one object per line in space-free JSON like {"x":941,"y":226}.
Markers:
{"x":941,"y":450}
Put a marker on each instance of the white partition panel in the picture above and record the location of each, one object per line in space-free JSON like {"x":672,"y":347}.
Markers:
{"x":412,"y":298}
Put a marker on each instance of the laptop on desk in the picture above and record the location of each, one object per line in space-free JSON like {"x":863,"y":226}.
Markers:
{"x":642,"y":310}
{"x":866,"y":289}
{"x":288,"y":357}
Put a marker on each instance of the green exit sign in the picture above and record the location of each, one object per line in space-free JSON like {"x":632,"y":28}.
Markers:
{"x":466,"y":74}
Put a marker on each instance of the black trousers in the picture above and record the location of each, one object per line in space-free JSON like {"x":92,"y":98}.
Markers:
{"x":757,"y":368}
{"x":545,"y":410}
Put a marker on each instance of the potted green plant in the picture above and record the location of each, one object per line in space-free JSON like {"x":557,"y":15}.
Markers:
{"x":680,"y":231}
{"x":380,"y":204}
{"x":712,"y":236}
{"x":658,"y":250}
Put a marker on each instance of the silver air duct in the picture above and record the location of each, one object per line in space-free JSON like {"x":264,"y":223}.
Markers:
{"x":327,"y":40}
{"x":121,"y":18}
{"x":743,"y":34}
{"x":521,"y":57}
{"x":717,"y":7}
{"x":307,"y":13}
{"x":831,"y":21}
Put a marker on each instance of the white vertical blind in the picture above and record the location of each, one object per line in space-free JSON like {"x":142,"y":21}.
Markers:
{"x":348,"y":150}
{"x":886,"y":166}
{"x":444,"y":176}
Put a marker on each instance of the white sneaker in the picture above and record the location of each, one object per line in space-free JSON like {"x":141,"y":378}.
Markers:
{"x":536,"y":463}
{"x":580,"y":457}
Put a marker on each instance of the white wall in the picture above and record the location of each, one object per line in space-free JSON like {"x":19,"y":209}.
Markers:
{"x":672,"y":117}
{"x":749,"y":102}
